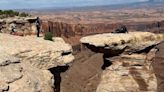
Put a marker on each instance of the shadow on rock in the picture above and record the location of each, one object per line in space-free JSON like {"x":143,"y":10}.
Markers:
{"x":107,"y":62}
{"x":143,"y":86}
{"x":56,"y":71}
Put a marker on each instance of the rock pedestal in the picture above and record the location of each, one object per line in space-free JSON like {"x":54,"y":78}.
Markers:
{"x":131,"y":57}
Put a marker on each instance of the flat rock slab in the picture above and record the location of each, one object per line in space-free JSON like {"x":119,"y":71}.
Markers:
{"x":121,"y":39}
{"x":39,"y":52}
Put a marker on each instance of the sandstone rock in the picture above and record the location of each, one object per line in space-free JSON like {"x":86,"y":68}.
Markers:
{"x":24,"y":26}
{"x":33,"y":80}
{"x":119,"y":40}
{"x":118,"y":43}
{"x":6,"y":59}
{"x":37,"y":51}
{"x":158,"y":67}
{"x":67,"y":29}
{"x":128,"y":72}
{"x":22,"y":77}
{"x":24,"y":62}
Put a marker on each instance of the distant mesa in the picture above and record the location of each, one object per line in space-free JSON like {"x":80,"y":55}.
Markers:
{"x":156,"y":0}
{"x":151,"y":0}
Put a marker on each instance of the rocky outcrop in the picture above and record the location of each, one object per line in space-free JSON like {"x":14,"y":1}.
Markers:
{"x":39,"y":52}
{"x":24,"y":26}
{"x":131,"y":42}
{"x":24,"y":62}
{"x":130,"y":56}
{"x":22,"y":77}
{"x":157,"y":64}
{"x":128,"y":73}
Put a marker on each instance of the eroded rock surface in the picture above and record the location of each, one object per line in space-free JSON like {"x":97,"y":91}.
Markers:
{"x":129,"y":73}
{"x":131,"y":56}
{"x":22,"y":77}
{"x":158,"y":66}
{"x":24,"y":63}
{"x":39,"y":52}
{"x":24,"y":25}
{"x":122,"y":40}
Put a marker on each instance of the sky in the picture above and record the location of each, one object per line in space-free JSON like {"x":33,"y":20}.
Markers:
{"x":34,"y":4}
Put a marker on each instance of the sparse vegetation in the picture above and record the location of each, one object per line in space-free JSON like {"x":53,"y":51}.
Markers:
{"x":23,"y":14}
{"x":48,"y":36}
{"x":12,"y":13}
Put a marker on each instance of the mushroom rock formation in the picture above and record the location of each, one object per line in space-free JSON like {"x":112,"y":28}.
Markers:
{"x":127,"y":60}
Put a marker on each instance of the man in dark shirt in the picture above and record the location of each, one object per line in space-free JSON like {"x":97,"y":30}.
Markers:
{"x":122,"y":29}
{"x":38,"y":24}
{"x":13,"y":28}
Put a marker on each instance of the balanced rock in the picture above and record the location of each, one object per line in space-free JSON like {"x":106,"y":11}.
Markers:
{"x":131,"y":42}
{"x":131,"y":56}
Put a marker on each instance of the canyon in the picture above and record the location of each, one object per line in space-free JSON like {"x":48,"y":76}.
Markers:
{"x":84,"y":55}
{"x":111,"y":63}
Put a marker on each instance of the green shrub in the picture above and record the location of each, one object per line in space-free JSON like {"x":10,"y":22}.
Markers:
{"x":23,"y":14}
{"x":48,"y":36}
{"x":12,"y":13}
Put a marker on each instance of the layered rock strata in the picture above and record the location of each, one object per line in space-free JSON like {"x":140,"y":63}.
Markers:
{"x":131,"y":57}
{"x":24,"y":26}
{"x":24,"y":62}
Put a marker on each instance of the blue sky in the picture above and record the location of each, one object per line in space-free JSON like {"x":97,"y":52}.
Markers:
{"x":27,"y":4}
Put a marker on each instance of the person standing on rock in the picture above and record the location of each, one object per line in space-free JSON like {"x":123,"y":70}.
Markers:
{"x":1,"y":29}
{"x":122,"y":29}
{"x":38,"y":24}
{"x":13,"y":27}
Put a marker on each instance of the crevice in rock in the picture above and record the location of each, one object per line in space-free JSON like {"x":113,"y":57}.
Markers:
{"x":106,"y":61}
{"x":145,"y":50}
{"x":66,"y":53}
{"x":84,"y":74}
{"x":110,"y":52}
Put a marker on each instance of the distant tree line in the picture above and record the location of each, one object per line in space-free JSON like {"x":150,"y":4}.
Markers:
{"x":12,"y":13}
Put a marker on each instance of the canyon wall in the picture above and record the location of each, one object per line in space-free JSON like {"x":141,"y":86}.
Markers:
{"x":72,"y":30}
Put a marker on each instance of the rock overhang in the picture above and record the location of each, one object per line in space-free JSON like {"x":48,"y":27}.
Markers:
{"x":129,"y":42}
{"x":39,"y":52}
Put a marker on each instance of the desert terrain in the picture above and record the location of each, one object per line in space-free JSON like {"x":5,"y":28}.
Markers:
{"x":84,"y":55}
{"x":72,"y":25}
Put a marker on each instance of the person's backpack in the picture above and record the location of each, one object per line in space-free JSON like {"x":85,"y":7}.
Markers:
{"x":37,"y":23}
